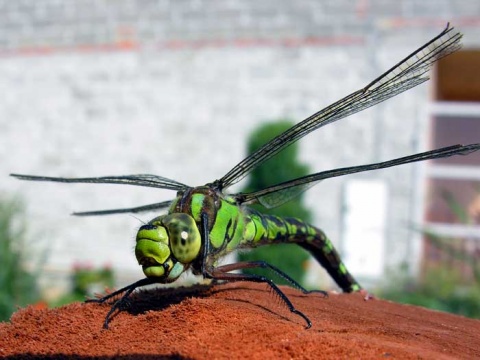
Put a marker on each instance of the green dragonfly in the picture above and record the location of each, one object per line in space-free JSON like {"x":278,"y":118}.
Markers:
{"x":204,"y":223}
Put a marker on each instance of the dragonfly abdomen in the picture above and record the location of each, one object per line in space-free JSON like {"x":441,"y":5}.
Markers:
{"x":262,"y":229}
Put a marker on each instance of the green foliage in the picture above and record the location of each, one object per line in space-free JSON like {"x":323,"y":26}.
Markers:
{"x":85,"y":278}
{"x":86,"y":281}
{"x":460,"y":213}
{"x":451,"y":282}
{"x":455,"y":251}
{"x":18,"y":287}
{"x":440,"y":289}
{"x":284,"y":166}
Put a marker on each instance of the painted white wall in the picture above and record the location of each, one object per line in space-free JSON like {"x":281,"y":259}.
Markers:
{"x":185,"y":112}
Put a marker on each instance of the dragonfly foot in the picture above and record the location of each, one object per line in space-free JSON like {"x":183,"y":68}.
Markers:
{"x":321,"y":292}
{"x":366,"y":295}
{"x":307,"y":320}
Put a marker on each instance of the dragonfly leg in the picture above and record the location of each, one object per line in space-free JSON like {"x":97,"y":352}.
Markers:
{"x":220,"y":274}
{"x":223,"y":272}
{"x":265,"y":265}
{"x":206,"y":243}
{"x":127,"y":290}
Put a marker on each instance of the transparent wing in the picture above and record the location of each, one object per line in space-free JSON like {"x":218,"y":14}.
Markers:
{"x":133,"y":210}
{"x":406,"y":74}
{"x":277,"y":198}
{"x":267,"y":196}
{"x":137,"y":180}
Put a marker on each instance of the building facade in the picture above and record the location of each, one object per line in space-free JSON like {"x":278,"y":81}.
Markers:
{"x":173,"y":88}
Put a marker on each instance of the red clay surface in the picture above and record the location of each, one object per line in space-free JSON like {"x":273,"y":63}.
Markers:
{"x":240,"y":321}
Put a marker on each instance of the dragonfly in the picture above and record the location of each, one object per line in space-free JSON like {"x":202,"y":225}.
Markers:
{"x":204,"y":223}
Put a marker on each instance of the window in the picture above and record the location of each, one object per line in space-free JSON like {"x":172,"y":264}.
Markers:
{"x":452,"y":213}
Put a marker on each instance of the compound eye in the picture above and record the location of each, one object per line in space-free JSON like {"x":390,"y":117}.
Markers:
{"x":185,"y":239}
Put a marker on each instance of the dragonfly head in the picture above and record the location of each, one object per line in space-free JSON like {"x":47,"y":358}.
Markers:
{"x":167,"y":245}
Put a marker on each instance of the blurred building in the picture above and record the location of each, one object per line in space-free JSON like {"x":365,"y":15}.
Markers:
{"x":173,"y":88}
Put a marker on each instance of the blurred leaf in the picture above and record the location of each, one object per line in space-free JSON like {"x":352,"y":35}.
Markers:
{"x":18,"y":287}
{"x":456,"y":207}
{"x":284,"y":166}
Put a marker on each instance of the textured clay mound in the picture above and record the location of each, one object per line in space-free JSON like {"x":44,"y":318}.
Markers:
{"x":240,"y":321}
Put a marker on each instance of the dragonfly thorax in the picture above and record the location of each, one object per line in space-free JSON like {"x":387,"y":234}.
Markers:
{"x":167,"y":245}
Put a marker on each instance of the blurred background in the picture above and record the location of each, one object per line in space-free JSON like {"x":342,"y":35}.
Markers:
{"x":177,"y":88}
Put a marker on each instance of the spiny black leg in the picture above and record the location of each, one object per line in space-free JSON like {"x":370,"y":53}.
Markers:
{"x":265,"y":265}
{"x":133,"y":286}
{"x":206,"y":243}
{"x":127,"y":290}
{"x":222,"y":273}
{"x":115,"y":306}
{"x":218,"y":274}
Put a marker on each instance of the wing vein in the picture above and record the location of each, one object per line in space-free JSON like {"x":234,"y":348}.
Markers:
{"x":404,"y":75}
{"x":303,"y":183}
{"x":146,"y":180}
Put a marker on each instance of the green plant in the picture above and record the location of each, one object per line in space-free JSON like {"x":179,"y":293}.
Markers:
{"x":289,"y":258}
{"x":18,"y":287}
{"x":451,"y":281}
{"x":461,"y":255}
{"x":439,"y":289}
{"x":85,"y":282}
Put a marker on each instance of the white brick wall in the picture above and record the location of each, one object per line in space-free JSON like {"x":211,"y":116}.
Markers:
{"x":183,"y":110}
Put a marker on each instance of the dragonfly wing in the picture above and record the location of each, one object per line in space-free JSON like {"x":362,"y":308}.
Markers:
{"x":137,"y":180}
{"x":133,"y":210}
{"x":404,"y":75}
{"x":264,"y":195}
{"x":277,"y":198}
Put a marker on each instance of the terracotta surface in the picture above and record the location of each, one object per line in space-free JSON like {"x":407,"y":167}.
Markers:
{"x":240,"y":321}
